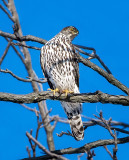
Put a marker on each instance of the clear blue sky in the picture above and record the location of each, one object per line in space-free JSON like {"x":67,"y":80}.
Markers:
{"x":103,"y":25}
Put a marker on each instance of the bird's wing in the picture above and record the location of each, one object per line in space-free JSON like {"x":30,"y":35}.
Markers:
{"x":76,"y":67}
{"x":42,"y":62}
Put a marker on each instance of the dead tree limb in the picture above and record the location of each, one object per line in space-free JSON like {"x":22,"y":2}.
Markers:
{"x":109,"y":77}
{"x":95,"y":97}
{"x":51,"y":154}
{"x":84,"y":148}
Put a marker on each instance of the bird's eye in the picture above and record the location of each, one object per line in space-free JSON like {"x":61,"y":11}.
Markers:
{"x":72,"y":29}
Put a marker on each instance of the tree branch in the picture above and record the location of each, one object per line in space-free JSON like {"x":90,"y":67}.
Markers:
{"x":23,"y":38}
{"x":23,"y":45}
{"x":50,"y":154}
{"x":21,"y":79}
{"x":6,"y":13}
{"x":5,"y":52}
{"x":84,"y":148}
{"x":28,"y":65}
{"x":93,"y":55}
{"x":95,"y":97}
{"x":110,"y":78}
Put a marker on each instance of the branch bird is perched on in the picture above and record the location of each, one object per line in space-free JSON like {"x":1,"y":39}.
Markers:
{"x":60,"y":67}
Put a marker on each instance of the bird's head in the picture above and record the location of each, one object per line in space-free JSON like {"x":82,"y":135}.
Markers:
{"x":70,"y":31}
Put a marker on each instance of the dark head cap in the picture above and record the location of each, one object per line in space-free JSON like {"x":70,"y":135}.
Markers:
{"x":70,"y":31}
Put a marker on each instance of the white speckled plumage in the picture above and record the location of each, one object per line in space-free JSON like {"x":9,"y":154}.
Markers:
{"x":60,"y":67}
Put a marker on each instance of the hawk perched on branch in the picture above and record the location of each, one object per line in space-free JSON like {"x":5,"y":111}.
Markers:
{"x":60,"y":67}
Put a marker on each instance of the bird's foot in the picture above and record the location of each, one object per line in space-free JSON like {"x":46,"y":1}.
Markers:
{"x":54,"y":90}
{"x":67,"y":92}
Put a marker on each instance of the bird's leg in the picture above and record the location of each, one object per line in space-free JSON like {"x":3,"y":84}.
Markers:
{"x":66,"y":91}
{"x":54,"y":90}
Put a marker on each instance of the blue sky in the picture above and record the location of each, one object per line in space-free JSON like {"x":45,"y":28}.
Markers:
{"x":103,"y":25}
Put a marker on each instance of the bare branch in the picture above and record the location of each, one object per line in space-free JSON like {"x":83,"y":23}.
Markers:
{"x":84,"y":148}
{"x":86,"y":62}
{"x":93,"y":55}
{"x":23,"y":38}
{"x":5,"y":3}
{"x":64,"y":133}
{"x":5,"y":52}
{"x":14,"y":48}
{"x":107,"y":126}
{"x":110,"y":78}
{"x":31,"y":144}
{"x":47,"y":114}
{"x":108,"y":151}
{"x":28,"y":150}
{"x":23,"y":45}
{"x":113,"y":123}
{"x":80,"y":98}
{"x":43,"y":148}
{"x":28,"y":65}
{"x":21,"y":79}
{"x":59,"y":119}
{"x":97,"y":122}
{"x":6,"y":13}
{"x":116,"y":147}
{"x":79,"y":156}
{"x":30,"y":109}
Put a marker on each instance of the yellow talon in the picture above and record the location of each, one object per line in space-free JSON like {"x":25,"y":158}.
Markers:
{"x":67,"y":91}
{"x":54,"y":90}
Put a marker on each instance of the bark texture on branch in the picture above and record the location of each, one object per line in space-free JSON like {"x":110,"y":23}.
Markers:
{"x":23,"y":38}
{"x":84,"y":148}
{"x":109,"y":77}
{"x":28,"y":65}
{"x":95,"y":97}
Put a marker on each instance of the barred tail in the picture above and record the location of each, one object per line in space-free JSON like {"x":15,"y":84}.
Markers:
{"x":73,"y":111}
{"x":77,"y":127}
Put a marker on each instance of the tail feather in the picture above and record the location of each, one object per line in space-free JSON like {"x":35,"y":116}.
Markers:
{"x":77,"y":127}
{"x":73,"y":111}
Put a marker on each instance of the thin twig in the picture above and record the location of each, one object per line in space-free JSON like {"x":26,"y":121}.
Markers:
{"x":113,"y":123}
{"x":93,"y":55}
{"x":5,"y":3}
{"x":86,"y":62}
{"x":84,"y":148}
{"x":22,"y":79}
{"x":47,"y":114}
{"x":85,"y":53}
{"x":99,"y":122}
{"x":28,"y":65}
{"x":23,"y":38}
{"x":14,"y":48}
{"x":64,"y":133}
{"x":6,"y":13}
{"x":79,"y":156}
{"x":108,"y":151}
{"x":5,"y":52}
{"x":30,"y":109}
{"x":31,"y":144}
{"x":109,"y":77}
{"x":107,"y":126}
{"x":23,"y":45}
{"x":115,"y":149}
{"x":43,"y":148}
{"x":28,"y":151}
